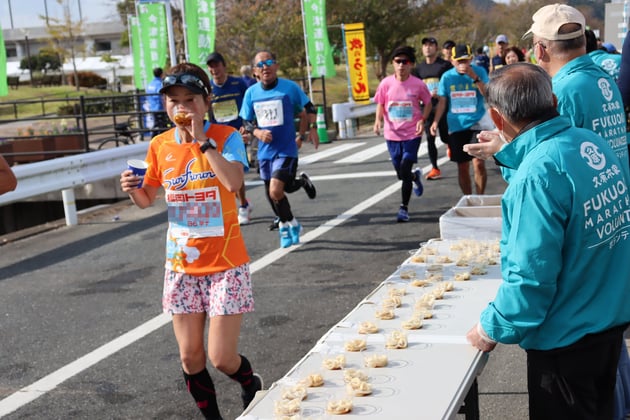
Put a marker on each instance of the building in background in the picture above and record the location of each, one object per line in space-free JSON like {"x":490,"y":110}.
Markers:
{"x":99,"y":38}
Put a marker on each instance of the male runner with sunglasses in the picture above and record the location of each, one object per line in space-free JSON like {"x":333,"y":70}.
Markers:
{"x":227,"y":98}
{"x":398,"y":104}
{"x":268,"y":112}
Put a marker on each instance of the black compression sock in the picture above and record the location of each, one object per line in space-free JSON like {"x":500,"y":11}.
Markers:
{"x":201,"y":387}
{"x":244,"y":375}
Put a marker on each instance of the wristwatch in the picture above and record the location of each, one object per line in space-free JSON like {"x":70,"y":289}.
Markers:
{"x":209,"y":144}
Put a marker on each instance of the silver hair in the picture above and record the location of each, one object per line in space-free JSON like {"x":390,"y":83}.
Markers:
{"x":521,"y":92}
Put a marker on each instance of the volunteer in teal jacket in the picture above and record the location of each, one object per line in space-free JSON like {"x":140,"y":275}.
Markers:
{"x":564,"y":250}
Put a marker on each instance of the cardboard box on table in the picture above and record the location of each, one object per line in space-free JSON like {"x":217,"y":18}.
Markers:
{"x":474,"y":217}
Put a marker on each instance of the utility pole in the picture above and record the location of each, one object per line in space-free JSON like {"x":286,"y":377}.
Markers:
{"x":46,"y":11}
{"x":10,"y":14}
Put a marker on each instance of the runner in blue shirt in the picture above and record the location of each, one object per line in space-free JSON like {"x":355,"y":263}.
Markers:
{"x":268,"y":111}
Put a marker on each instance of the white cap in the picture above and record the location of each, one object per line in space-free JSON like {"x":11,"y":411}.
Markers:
{"x":549,"y":19}
{"x":501,"y":38}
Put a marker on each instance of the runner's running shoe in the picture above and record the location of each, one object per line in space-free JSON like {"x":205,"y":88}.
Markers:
{"x":418,"y":189}
{"x":245,"y":213}
{"x":434,"y":173}
{"x":308,"y":186}
{"x":403,"y":215}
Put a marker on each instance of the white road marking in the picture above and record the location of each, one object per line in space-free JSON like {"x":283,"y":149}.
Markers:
{"x":364,"y":155}
{"x":49,"y":382}
{"x":314,"y":157}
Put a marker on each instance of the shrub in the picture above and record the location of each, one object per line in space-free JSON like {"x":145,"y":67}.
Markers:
{"x":65,"y":110}
{"x":88,"y":79}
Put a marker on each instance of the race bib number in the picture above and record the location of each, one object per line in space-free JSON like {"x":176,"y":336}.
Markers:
{"x":400,"y":111}
{"x":464,"y":102}
{"x":269,"y":113}
{"x":225,"y":111}
{"x":195,"y":213}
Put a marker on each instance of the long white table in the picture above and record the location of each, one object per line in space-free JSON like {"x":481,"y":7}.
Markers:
{"x":431,"y":378}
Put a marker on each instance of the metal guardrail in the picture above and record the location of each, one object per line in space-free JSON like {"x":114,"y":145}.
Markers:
{"x":66,"y":173}
{"x":345,"y":116}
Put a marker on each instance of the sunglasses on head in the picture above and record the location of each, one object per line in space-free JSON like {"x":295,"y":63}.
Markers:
{"x":270,"y":62}
{"x":186,"y":80}
{"x":402,"y":61}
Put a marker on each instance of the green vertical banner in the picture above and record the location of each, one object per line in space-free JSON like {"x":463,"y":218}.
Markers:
{"x":154,"y":36}
{"x":200,"y":22}
{"x":319,"y":51}
{"x":4,"y":88}
{"x":139,"y":74}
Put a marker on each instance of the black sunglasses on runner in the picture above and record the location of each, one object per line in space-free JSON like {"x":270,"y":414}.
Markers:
{"x":187,"y":80}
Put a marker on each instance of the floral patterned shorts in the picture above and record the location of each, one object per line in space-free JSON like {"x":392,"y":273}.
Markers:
{"x":225,"y":293}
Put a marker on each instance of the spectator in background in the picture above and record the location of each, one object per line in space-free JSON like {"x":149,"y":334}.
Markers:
{"x":153,"y":103}
{"x":430,"y":71}
{"x":513,"y":55}
{"x":246,"y":75}
{"x":610,"y":48}
{"x":447,"y":50}
{"x":482,"y":59}
{"x":500,"y":48}
{"x":227,"y":99}
{"x":610,"y":63}
{"x":8,"y":181}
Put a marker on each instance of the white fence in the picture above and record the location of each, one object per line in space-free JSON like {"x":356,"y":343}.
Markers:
{"x":66,"y":173}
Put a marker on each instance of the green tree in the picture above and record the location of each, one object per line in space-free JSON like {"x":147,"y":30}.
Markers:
{"x":396,"y":22}
{"x":66,"y":37}
{"x":124,"y":9}
{"x":246,"y":26}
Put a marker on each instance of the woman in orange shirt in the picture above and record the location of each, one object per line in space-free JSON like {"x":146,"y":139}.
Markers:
{"x":200,"y":166}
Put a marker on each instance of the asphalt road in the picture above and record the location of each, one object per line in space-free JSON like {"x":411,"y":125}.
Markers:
{"x":68,"y":295}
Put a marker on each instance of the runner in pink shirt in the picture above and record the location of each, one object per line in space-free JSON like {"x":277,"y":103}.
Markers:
{"x":398,"y":112}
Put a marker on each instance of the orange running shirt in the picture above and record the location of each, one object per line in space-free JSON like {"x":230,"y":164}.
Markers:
{"x":204,"y":235}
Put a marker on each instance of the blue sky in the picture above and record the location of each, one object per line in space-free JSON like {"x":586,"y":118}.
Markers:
{"x":26,"y":12}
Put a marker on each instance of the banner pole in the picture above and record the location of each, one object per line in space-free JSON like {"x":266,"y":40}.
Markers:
{"x":345,"y":55}
{"x":169,"y":30}
{"x":185,"y":27}
{"x":308,"y":63}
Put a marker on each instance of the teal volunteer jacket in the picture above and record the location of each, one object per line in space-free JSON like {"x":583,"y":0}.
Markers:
{"x":565,"y":243}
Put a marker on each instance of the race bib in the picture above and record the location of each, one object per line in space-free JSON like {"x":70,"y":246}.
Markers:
{"x":195,"y":213}
{"x":400,"y":111}
{"x":225,"y":111}
{"x":269,"y":113}
{"x":464,"y":102}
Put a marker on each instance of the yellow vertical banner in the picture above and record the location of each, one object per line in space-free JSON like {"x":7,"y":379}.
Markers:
{"x":357,"y":62}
